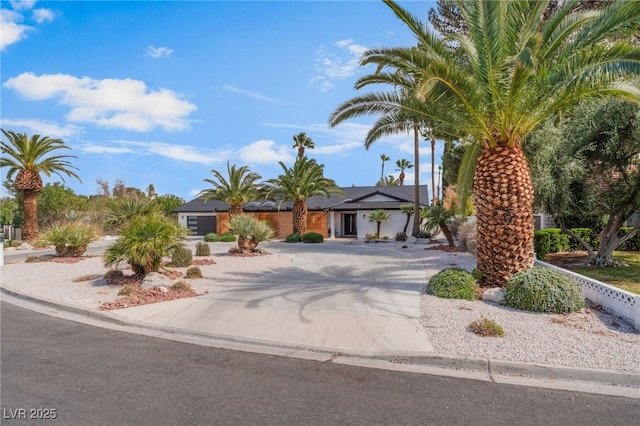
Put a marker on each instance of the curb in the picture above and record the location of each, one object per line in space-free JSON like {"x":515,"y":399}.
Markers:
{"x":625,"y":383}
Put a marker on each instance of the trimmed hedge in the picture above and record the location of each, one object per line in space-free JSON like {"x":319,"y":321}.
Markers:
{"x":312,"y":237}
{"x":212,"y":237}
{"x":453,"y":283}
{"x":543,"y":290}
{"x":552,"y":240}
{"x":293,"y":238}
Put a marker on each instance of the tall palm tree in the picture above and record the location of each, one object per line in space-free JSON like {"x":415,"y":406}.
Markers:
{"x":28,"y":157}
{"x":240,"y":188}
{"x":403,"y":165}
{"x":518,"y":70}
{"x":299,"y":183}
{"x":384,"y":159}
{"x":302,"y":142}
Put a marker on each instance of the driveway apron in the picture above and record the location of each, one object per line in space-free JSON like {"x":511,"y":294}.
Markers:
{"x":335,"y":296}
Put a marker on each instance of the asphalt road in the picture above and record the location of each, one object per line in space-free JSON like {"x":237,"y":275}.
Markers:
{"x":92,"y":376}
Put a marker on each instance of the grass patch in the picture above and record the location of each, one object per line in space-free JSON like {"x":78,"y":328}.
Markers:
{"x":624,"y":277}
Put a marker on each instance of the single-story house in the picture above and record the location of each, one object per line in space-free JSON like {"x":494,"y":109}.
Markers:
{"x":339,"y":216}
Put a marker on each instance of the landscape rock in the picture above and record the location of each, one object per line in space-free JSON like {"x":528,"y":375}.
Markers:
{"x":24,"y":246}
{"x":495,"y":295}
{"x":155,"y":279}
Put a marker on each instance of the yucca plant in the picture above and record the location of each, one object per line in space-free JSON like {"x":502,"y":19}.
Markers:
{"x":70,"y":239}
{"x":145,"y":241}
{"x":250,"y":232}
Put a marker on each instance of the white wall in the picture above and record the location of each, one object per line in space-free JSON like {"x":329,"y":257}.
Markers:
{"x":388,"y":228}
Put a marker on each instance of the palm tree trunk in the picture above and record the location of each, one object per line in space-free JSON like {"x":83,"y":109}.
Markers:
{"x":235,"y":210}
{"x":416,"y":182}
{"x":31,"y":228}
{"x":401,"y":178}
{"x":447,"y":233}
{"x":433,"y":171}
{"x":504,"y":206}
{"x":299,"y":213}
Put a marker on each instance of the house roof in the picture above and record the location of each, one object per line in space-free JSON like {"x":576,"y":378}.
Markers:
{"x":355,"y":198}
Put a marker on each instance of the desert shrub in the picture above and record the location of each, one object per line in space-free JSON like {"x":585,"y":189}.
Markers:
{"x":468,"y":236}
{"x":541,"y":242}
{"x":181,"y":257}
{"x":250,"y":231}
{"x":128,"y":290}
{"x":371,"y":236}
{"x":32,"y":259}
{"x":193,"y":273}
{"x":486,"y":327}
{"x":293,"y":238}
{"x":112,"y":274}
{"x":312,"y":237}
{"x":144,"y":241}
{"x":212,"y":238}
{"x":181,"y":285}
{"x":69,"y":239}
{"x":543,"y":290}
{"x":202,"y":249}
{"x":401,"y":236}
{"x":228,"y":237}
{"x":453,"y":283}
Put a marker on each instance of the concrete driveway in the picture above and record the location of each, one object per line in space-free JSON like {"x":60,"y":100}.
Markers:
{"x":337,"y":296}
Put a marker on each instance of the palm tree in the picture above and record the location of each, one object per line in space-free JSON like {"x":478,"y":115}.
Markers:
{"x":408,"y":210}
{"x":27,"y":156}
{"x":436,"y":216}
{"x":518,"y":70}
{"x":240,"y":188}
{"x":379,"y":216}
{"x":299,"y":183}
{"x":301,"y":142}
{"x":384,"y":159}
{"x":402,"y":166}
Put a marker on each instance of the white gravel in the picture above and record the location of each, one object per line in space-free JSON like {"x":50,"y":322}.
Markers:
{"x":586,"y":339}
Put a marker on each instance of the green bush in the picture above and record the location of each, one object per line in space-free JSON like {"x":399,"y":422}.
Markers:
{"x":587,"y":234}
{"x":212,"y":238}
{"x":69,"y":239}
{"x":312,"y":237}
{"x":541,"y":242}
{"x":202,"y":249}
{"x":401,"y":236}
{"x":228,"y":237}
{"x":453,"y":283}
{"x":486,"y":327}
{"x":543,"y":290}
{"x":293,"y":238}
{"x":558,"y":241}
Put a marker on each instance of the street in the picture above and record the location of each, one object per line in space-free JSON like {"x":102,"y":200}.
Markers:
{"x":91,"y":376}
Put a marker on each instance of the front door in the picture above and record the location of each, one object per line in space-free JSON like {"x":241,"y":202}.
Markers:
{"x":350,"y":225}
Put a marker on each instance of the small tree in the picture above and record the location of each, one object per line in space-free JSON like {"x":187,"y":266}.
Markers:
{"x":379,"y":216}
{"x":250,"y":232}
{"x":436,"y":216}
{"x":145,"y":241}
{"x":408,"y":210}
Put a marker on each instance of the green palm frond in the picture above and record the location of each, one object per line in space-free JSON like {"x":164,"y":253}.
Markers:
{"x":239,"y":187}
{"x":301,"y":182}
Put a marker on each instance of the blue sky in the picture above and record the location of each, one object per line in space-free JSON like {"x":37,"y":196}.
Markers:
{"x":163,"y":92}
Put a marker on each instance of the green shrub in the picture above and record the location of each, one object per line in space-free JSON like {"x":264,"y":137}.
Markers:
{"x":144,"y":242}
{"x":202,"y":249}
{"x":69,"y":239}
{"x":632,"y":244}
{"x":587,"y":234}
{"x":228,"y":237}
{"x":541,"y":242}
{"x":293,"y":238}
{"x":250,"y":231}
{"x":312,"y":237}
{"x":543,"y":290}
{"x":486,"y":327}
{"x":212,"y":238}
{"x":193,"y":273}
{"x":453,"y":283}
{"x":181,"y":257}
{"x":558,"y":242}
{"x":401,"y":236}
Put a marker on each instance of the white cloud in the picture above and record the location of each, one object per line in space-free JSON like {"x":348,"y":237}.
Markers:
{"x":114,"y":103}
{"x":338,"y":62}
{"x":41,"y":15}
{"x":265,"y":152}
{"x":255,"y":95}
{"x":22,"y":4}
{"x":12,"y":30}
{"x":44,"y":128}
{"x":175,"y":152}
{"x":158,"y":52}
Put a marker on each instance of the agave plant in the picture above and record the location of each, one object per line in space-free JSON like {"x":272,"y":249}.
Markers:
{"x":145,"y":241}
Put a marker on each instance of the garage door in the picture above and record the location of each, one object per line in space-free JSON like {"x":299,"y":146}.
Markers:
{"x":201,"y":225}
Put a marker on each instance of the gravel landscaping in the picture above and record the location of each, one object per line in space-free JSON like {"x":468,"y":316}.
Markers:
{"x":590,"y":338}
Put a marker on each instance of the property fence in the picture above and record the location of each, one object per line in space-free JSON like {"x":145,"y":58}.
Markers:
{"x":620,"y":302}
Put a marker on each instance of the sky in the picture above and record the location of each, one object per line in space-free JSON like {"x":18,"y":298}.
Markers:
{"x":163,"y":92}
